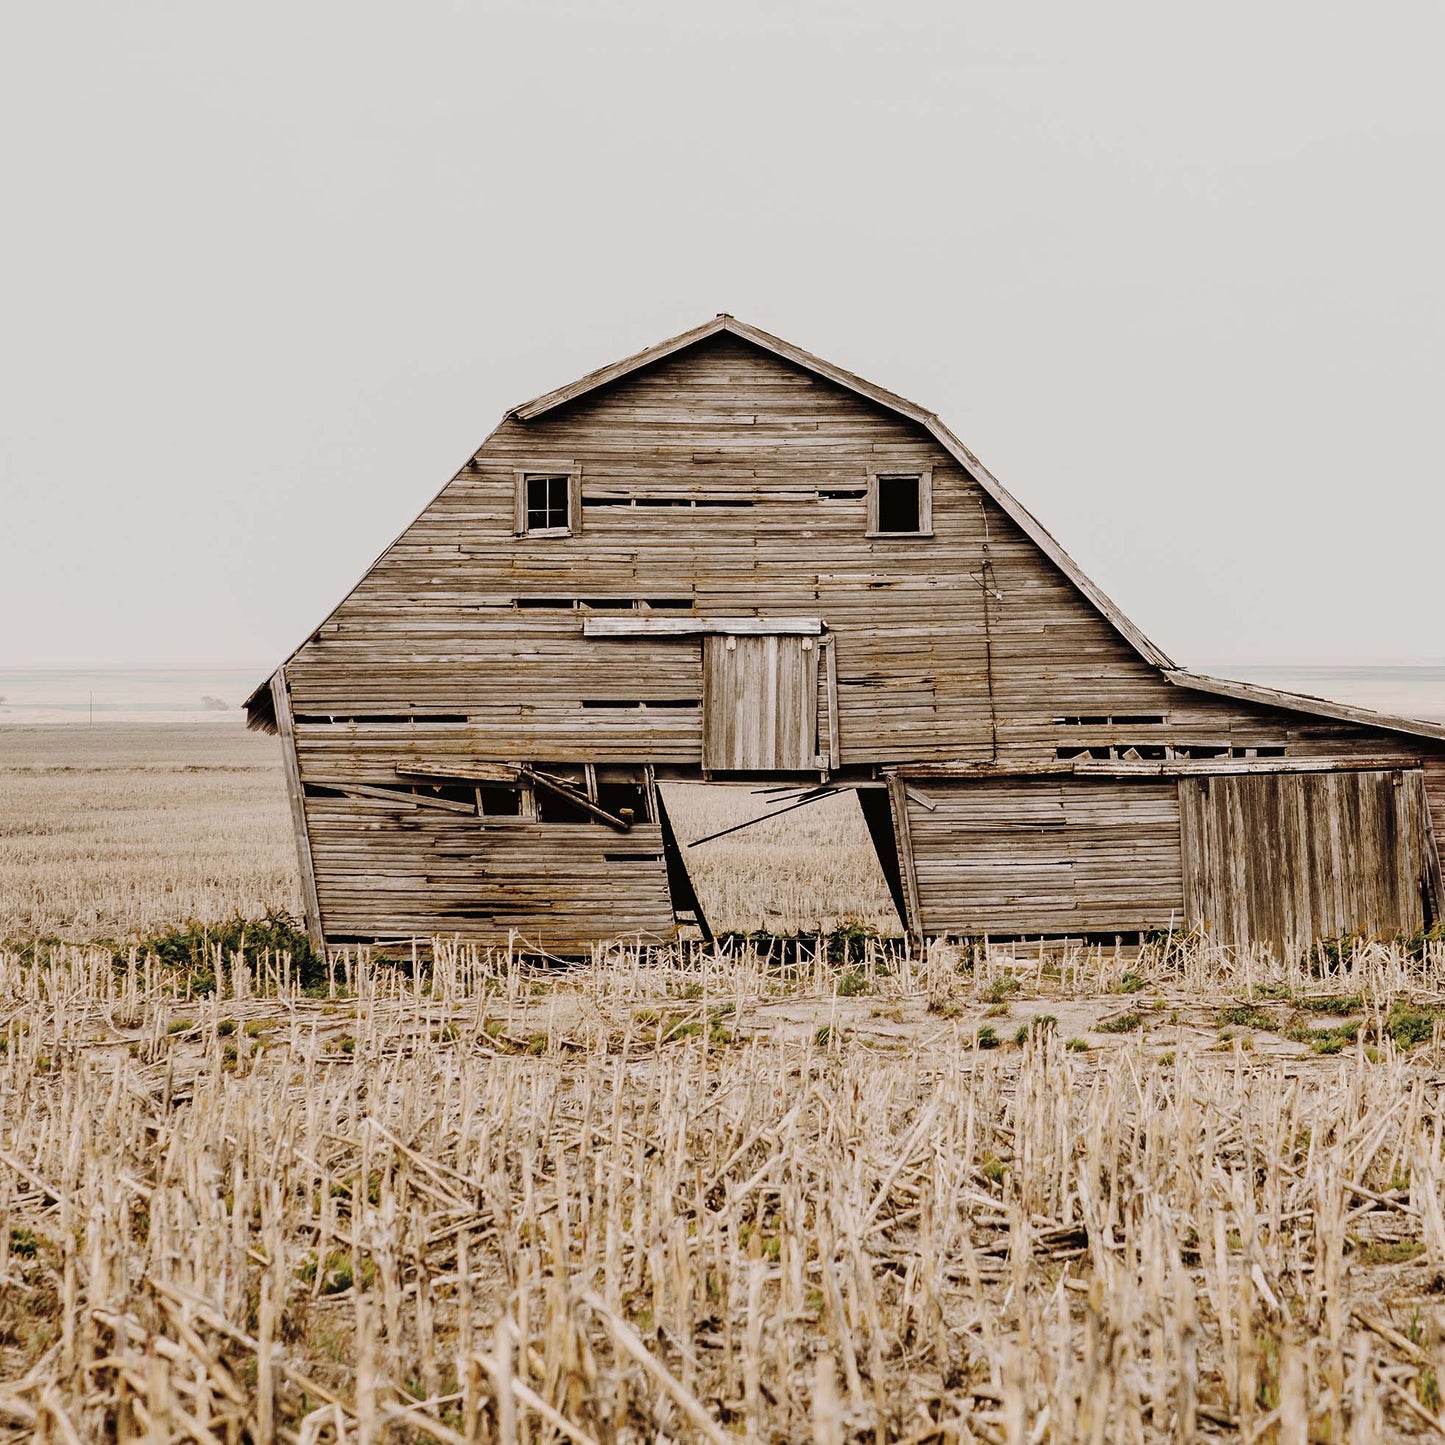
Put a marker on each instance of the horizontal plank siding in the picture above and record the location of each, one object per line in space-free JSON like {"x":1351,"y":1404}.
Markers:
{"x":1022,"y":856}
{"x":415,"y":872}
{"x":720,"y":490}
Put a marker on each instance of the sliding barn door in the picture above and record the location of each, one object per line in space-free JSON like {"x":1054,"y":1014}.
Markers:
{"x":759,"y":703}
{"x":1287,"y":858}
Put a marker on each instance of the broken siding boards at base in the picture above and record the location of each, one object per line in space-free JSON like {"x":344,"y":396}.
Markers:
{"x":561,"y":886}
{"x":1285,"y":859}
{"x":1038,"y":856}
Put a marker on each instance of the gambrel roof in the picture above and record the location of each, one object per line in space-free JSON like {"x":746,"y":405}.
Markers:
{"x":1010,"y":505}
{"x":259,"y":703}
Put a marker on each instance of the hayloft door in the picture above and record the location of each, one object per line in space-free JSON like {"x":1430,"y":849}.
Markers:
{"x":759,"y":703}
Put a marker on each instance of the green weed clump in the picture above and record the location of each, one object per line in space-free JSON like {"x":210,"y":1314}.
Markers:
{"x":1338,"y":1004}
{"x":1123,"y":1024}
{"x":1408,"y":1024}
{"x":191,"y":947}
{"x":1325,"y":1041}
{"x":1244,"y":1016}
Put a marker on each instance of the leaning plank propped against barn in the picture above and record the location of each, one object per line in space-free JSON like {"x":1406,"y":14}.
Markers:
{"x":725,"y":558}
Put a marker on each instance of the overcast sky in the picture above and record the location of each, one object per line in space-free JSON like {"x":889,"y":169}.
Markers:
{"x":272,"y":272}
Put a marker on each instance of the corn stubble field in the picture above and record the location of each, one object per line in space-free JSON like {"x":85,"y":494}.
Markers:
{"x":1167,"y":1195}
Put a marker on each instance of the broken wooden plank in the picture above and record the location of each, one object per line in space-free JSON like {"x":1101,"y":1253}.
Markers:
{"x":655,"y":625}
{"x":573,"y":795}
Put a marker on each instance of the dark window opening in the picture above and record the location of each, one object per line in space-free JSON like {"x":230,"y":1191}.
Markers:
{"x":899,"y":508}
{"x":1119,"y":719}
{"x":623,"y":800}
{"x":368,"y":718}
{"x":1269,"y":752}
{"x":1201,"y":750}
{"x":592,"y":500}
{"x":607,"y":604}
{"x":842,"y":494}
{"x":631,"y":857}
{"x":554,"y":808}
{"x":546,"y":604}
{"x":610,"y":702}
{"x":497,"y":800}
{"x":669,"y":604}
{"x":547,"y":503}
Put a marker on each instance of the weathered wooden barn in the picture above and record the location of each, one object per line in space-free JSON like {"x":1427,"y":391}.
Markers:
{"x":724,"y":558}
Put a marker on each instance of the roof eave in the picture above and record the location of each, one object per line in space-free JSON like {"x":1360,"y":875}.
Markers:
{"x":1303,"y":702}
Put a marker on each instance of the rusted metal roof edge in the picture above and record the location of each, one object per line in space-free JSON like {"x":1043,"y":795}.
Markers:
{"x":1302,"y":702}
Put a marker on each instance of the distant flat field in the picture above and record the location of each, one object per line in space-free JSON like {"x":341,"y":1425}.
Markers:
{"x":120,"y":830}
{"x":123,"y":829}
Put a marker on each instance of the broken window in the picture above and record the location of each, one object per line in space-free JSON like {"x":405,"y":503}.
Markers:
{"x":623,"y":800}
{"x":498,"y":800}
{"x":900,"y":504}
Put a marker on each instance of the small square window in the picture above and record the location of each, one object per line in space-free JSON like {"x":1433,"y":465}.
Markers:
{"x":900,"y":504}
{"x":547,"y":501}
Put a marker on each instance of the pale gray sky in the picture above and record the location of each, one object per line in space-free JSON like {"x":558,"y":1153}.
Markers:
{"x":272,"y":271}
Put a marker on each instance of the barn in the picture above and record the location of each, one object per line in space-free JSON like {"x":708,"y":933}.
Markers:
{"x":725,"y":558}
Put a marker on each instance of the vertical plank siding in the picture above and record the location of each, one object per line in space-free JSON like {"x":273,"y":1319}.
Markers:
{"x":760,"y":703}
{"x":1287,"y":858}
{"x":725,"y":480}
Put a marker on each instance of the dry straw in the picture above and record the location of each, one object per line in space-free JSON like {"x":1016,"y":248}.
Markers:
{"x":696,"y":1196}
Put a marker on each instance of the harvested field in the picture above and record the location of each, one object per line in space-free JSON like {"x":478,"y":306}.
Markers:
{"x":692,"y":1196}
{"x":124,"y":830}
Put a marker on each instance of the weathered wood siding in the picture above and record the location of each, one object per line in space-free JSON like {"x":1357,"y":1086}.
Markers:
{"x":725,"y":480}
{"x":397,"y":872}
{"x":730,"y":482}
{"x":760,"y":703}
{"x":1043,"y":856}
{"x":1285,"y":858}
